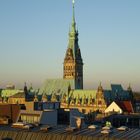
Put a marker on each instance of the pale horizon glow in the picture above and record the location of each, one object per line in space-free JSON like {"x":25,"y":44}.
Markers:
{"x":34,"y":39}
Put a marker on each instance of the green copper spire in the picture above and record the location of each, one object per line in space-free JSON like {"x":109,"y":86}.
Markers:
{"x":73,"y":18}
{"x":73,"y":34}
{"x":73,"y":37}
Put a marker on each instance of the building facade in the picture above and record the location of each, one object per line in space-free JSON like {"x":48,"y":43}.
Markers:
{"x":95,"y":100}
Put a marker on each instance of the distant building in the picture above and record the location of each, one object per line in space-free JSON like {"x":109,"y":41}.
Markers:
{"x":69,"y":90}
{"x":48,"y":117}
{"x":137,"y":106}
{"x":136,"y":102}
{"x":18,"y":98}
{"x":10,"y":92}
{"x":94,"y":100}
{"x":10,"y":86}
{"x":51,"y":117}
{"x":85,"y":100}
{"x":129,"y":120}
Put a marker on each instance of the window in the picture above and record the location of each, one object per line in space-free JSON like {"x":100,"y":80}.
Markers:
{"x":99,"y":102}
{"x":30,"y":118}
{"x":36,"y":119}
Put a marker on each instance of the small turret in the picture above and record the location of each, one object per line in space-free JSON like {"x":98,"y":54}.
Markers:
{"x":31,"y":87}
{"x":129,"y":88}
{"x":26,"y":92}
{"x":100,"y":87}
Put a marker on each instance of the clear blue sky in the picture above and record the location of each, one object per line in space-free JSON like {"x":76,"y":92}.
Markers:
{"x":34,"y":38}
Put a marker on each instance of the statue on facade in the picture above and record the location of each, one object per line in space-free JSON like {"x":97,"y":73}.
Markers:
{"x":78,"y":101}
{"x":72,"y":100}
{"x":44,"y":98}
{"x":84,"y":100}
{"x":54,"y":98}
{"x":90,"y":100}
{"x":35,"y":98}
{"x":64,"y":100}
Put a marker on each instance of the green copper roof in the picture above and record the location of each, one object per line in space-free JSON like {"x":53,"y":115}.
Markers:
{"x":82,"y":93}
{"x":10,"y":92}
{"x":58,"y":86}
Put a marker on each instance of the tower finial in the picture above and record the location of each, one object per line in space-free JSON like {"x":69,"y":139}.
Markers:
{"x":100,"y":87}
{"x":73,"y":2}
{"x":100,"y":83}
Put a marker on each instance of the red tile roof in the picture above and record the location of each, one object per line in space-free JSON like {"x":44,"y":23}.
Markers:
{"x":126,"y":106}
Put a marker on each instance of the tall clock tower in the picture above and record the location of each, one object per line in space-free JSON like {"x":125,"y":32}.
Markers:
{"x":73,"y":63}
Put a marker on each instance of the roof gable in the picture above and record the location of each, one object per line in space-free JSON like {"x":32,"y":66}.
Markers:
{"x":113,"y":107}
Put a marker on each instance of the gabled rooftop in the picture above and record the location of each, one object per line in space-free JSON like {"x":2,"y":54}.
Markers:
{"x":126,"y":106}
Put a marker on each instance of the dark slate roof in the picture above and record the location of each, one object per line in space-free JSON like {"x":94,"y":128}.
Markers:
{"x":108,"y":95}
{"x":116,"y":87}
{"x":117,"y":93}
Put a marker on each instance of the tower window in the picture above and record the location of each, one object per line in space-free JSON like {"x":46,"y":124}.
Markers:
{"x":99,"y":102}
